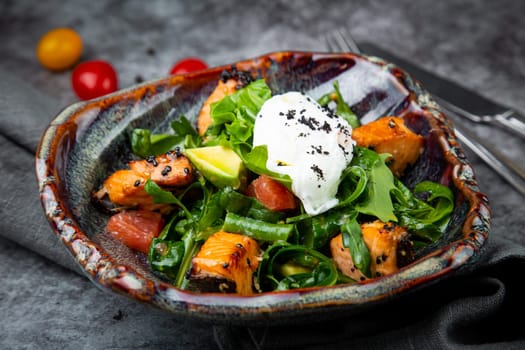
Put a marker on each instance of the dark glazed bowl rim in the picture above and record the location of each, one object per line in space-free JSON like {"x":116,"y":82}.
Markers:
{"x":292,"y":305}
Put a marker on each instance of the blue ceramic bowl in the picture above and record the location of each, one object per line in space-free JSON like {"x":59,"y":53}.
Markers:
{"x":89,"y":140}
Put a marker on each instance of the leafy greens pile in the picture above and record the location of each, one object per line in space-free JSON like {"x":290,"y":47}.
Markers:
{"x":294,"y":247}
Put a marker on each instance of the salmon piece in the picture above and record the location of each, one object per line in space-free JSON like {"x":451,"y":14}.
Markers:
{"x":167,"y":170}
{"x":135,"y":228}
{"x":388,"y":244}
{"x":391,"y":135}
{"x":228,"y":256}
{"x":343,"y":260}
{"x":223,"y":89}
{"x":126,"y":187}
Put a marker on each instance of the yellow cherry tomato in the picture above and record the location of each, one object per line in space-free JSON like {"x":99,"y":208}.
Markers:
{"x":59,"y":49}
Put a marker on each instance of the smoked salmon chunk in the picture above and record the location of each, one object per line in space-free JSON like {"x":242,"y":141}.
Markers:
{"x":391,"y":135}
{"x":126,"y":187}
{"x":388,"y":244}
{"x":228,"y":256}
{"x":223,"y":89}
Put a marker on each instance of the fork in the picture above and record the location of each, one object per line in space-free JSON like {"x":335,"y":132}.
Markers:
{"x":341,"y":40}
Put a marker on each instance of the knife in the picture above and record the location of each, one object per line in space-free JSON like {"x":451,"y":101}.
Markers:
{"x":451,"y":95}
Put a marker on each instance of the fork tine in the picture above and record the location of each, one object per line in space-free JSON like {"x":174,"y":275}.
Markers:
{"x":341,"y":40}
{"x":346,"y":38}
{"x":330,"y":42}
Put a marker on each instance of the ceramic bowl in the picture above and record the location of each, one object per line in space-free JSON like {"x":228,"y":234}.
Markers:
{"x":89,"y":140}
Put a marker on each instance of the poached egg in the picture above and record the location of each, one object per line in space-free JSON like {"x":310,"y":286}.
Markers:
{"x":307,"y":142}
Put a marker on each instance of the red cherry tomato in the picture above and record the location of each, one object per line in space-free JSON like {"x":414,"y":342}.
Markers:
{"x":93,"y":79}
{"x":188,"y":65}
{"x":272,"y":194}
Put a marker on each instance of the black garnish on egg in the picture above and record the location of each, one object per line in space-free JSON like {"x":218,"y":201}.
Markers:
{"x":312,"y":123}
{"x":290,"y":114}
{"x":319,"y":150}
{"x":318,"y":171}
{"x":326,"y":127}
{"x":345,"y":152}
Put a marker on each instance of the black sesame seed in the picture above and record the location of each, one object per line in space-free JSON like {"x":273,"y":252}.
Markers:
{"x":186,"y":171}
{"x":152,"y":160}
{"x":137,"y":183}
{"x":225,"y":265}
{"x":166,"y":170}
{"x":391,"y":123}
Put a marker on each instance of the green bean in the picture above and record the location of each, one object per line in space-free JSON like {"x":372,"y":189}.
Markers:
{"x":257,"y":229}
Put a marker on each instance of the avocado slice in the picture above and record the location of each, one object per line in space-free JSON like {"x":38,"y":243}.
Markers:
{"x":219,"y":165}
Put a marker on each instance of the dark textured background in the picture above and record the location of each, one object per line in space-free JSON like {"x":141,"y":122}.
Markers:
{"x":480,"y":44}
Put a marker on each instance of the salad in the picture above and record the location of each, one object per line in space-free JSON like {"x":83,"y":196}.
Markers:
{"x":274,"y":192}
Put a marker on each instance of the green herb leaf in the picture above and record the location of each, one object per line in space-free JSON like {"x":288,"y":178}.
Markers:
{"x":144,"y":144}
{"x":377,"y":201}
{"x":353,"y":240}
{"x":234,"y":115}
{"x":342,"y":108}
{"x":287,"y":266}
{"x":256,"y":160}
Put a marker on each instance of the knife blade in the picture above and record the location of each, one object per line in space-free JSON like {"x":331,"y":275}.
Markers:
{"x":451,"y":95}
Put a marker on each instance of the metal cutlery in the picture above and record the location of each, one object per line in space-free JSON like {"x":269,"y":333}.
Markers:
{"x":341,"y":40}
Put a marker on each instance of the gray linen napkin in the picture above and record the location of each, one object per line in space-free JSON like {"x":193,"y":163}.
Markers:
{"x":24,"y":114}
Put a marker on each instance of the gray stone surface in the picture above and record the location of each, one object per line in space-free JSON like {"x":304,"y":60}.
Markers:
{"x":480,"y":44}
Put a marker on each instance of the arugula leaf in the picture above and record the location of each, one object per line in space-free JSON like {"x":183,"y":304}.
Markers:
{"x":256,"y":160}
{"x":186,"y":133}
{"x":287,"y":266}
{"x":342,"y":109}
{"x":144,"y":143}
{"x":317,"y":230}
{"x":377,"y":201}
{"x":353,"y":240}
{"x":353,"y":184}
{"x":425,"y":219}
